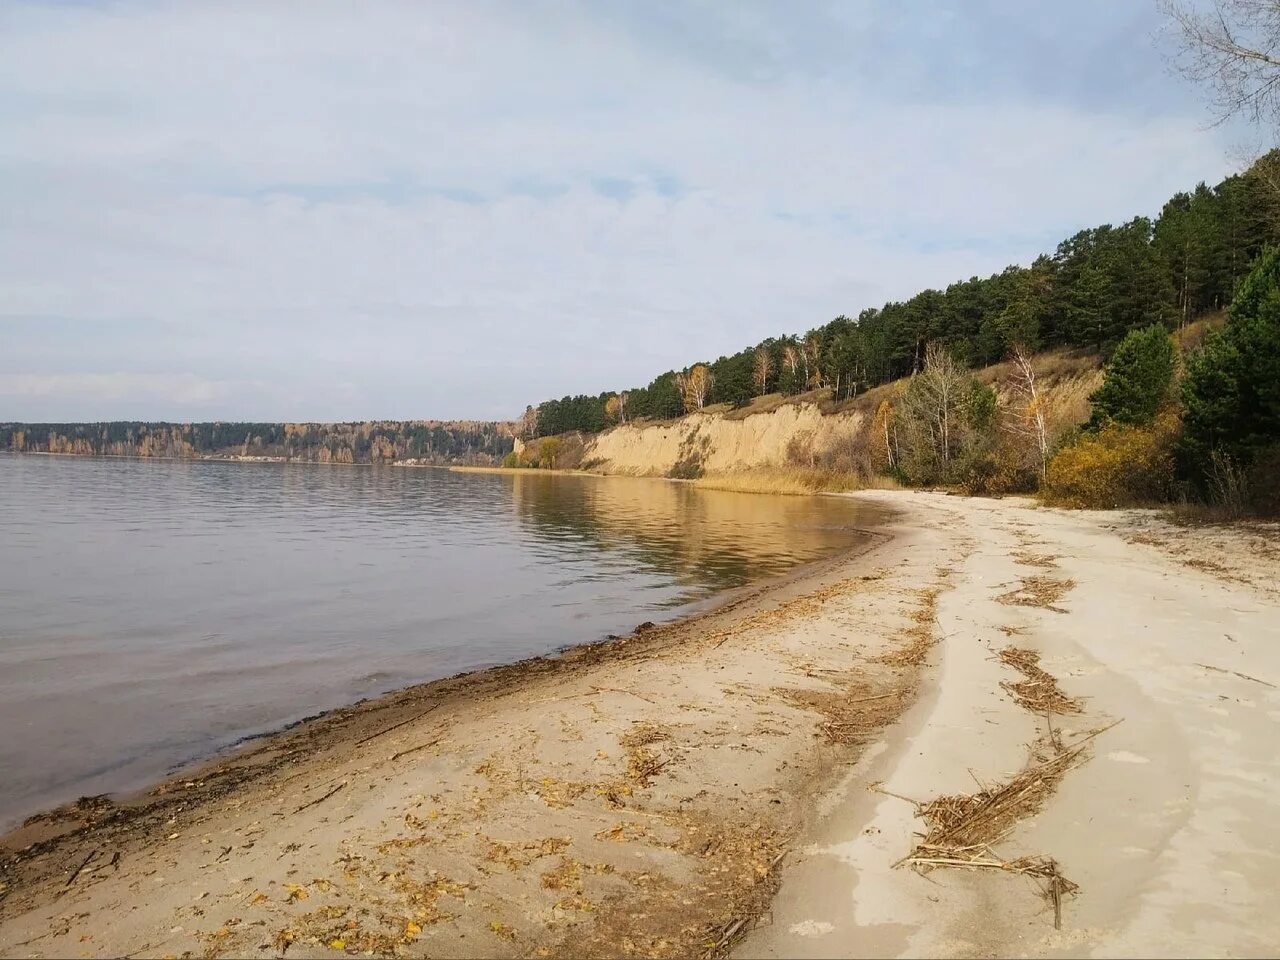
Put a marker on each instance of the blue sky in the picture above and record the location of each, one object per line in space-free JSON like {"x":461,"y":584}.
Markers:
{"x":321,"y":210}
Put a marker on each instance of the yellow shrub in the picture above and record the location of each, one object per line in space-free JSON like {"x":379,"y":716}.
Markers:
{"x":1115,"y":467}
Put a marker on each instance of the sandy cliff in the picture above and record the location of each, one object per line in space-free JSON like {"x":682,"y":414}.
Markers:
{"x":809,"y":430}
{"x":722,"y":445}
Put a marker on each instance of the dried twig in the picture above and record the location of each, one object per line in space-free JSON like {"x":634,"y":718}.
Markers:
{"x":312,"y":803}
{"x":84,"y":863}
{"x":396,"y":726}
{"x":1242,"y":676}
{"x":617,"y":690}
{"x":421,"y":746}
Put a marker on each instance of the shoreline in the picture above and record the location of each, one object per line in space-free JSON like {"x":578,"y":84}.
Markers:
{"x":44,"y":861}
{"x":687,"y":616}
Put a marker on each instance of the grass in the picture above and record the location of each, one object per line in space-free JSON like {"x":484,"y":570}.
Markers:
{"x":797,"y":481}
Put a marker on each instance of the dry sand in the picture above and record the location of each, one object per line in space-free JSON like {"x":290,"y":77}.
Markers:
{"x":663,"y":794}
{"x":1169,"y":825}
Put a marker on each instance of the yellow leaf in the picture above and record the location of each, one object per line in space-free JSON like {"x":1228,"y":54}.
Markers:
{"x":338,"y":944}
{"x":411,"y":929}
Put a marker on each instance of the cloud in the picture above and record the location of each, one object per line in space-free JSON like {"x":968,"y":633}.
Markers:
{"x":464,"y":209}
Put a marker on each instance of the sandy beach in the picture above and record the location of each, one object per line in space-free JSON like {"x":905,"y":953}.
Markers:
{"x":752,"y":780}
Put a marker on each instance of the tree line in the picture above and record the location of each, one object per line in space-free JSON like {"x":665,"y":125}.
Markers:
{"x":426,"y":441}
{"x":1089,"y":293}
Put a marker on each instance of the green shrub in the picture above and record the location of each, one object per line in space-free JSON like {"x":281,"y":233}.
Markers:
{"x":1137,"y":380}
{"x":1231,"y":392}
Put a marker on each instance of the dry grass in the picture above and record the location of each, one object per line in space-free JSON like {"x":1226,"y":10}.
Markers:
{"x":772,"y":401}
{"x":1052,"y":367}
{"x":793,"y":481}
{"x":1045,"y":561}
{"x":1039,"y":692}
{"x":1043,"y":592}
{"x":918,"y":638}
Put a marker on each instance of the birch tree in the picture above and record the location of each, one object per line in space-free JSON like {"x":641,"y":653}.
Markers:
{"x":1028,"y":420}
{"x":762,"y":366}
{"x":695,"y":383}
{"x":615,"y":408}
{"x":1233,"y":46}
{"x":932,"y":403}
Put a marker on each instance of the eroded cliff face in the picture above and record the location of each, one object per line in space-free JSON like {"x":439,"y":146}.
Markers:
{"x":805,"y":433}
{"x":714,"y":444}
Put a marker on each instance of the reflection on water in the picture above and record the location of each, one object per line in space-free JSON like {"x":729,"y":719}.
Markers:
{"x":152,"y":612}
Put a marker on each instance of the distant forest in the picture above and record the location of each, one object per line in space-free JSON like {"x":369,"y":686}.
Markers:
{"x":381,"y":441}
{"x":1096,"y":287}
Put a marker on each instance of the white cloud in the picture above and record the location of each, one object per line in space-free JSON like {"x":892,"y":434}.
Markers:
{"x":288,"y":194}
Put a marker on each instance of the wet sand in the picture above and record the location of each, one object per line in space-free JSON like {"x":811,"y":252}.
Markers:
{"x":747,"y":780}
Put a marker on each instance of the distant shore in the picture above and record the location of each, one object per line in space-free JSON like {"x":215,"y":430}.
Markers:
{"x":247,"y":458}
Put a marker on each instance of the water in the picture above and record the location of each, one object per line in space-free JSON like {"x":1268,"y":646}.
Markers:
{"x":153,"y":612}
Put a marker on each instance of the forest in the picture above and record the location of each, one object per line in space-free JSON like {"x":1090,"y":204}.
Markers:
{"x":1090,"y":292}
{"x":383,"y":441}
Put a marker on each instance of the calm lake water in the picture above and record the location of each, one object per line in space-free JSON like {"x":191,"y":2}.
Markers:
{"x":154,"y":612}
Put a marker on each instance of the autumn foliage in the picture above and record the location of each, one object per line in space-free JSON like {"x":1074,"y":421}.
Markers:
{"x":1119,"y":465}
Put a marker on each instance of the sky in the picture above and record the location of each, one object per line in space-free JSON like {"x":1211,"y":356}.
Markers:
{"x":321,"y":210}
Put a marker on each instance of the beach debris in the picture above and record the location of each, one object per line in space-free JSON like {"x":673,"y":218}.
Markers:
{"x":1046,"y":561}
{"x":721,"y":939}
{"x":83,"y":863}
{"x":396,"y":726}
{"x":963,"y":829}
{"x":321,"y":799}
{"x":1039,"y":591}
{"x":631,"y":693}
{"x":421,"y":746}
{"x":567,"y":875}
{"x":918,"y":638}
{"x":1039,"y":692}
{"x":521,"y":855}
{"x":1237,"y":673}
{"x":642,"y":763}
